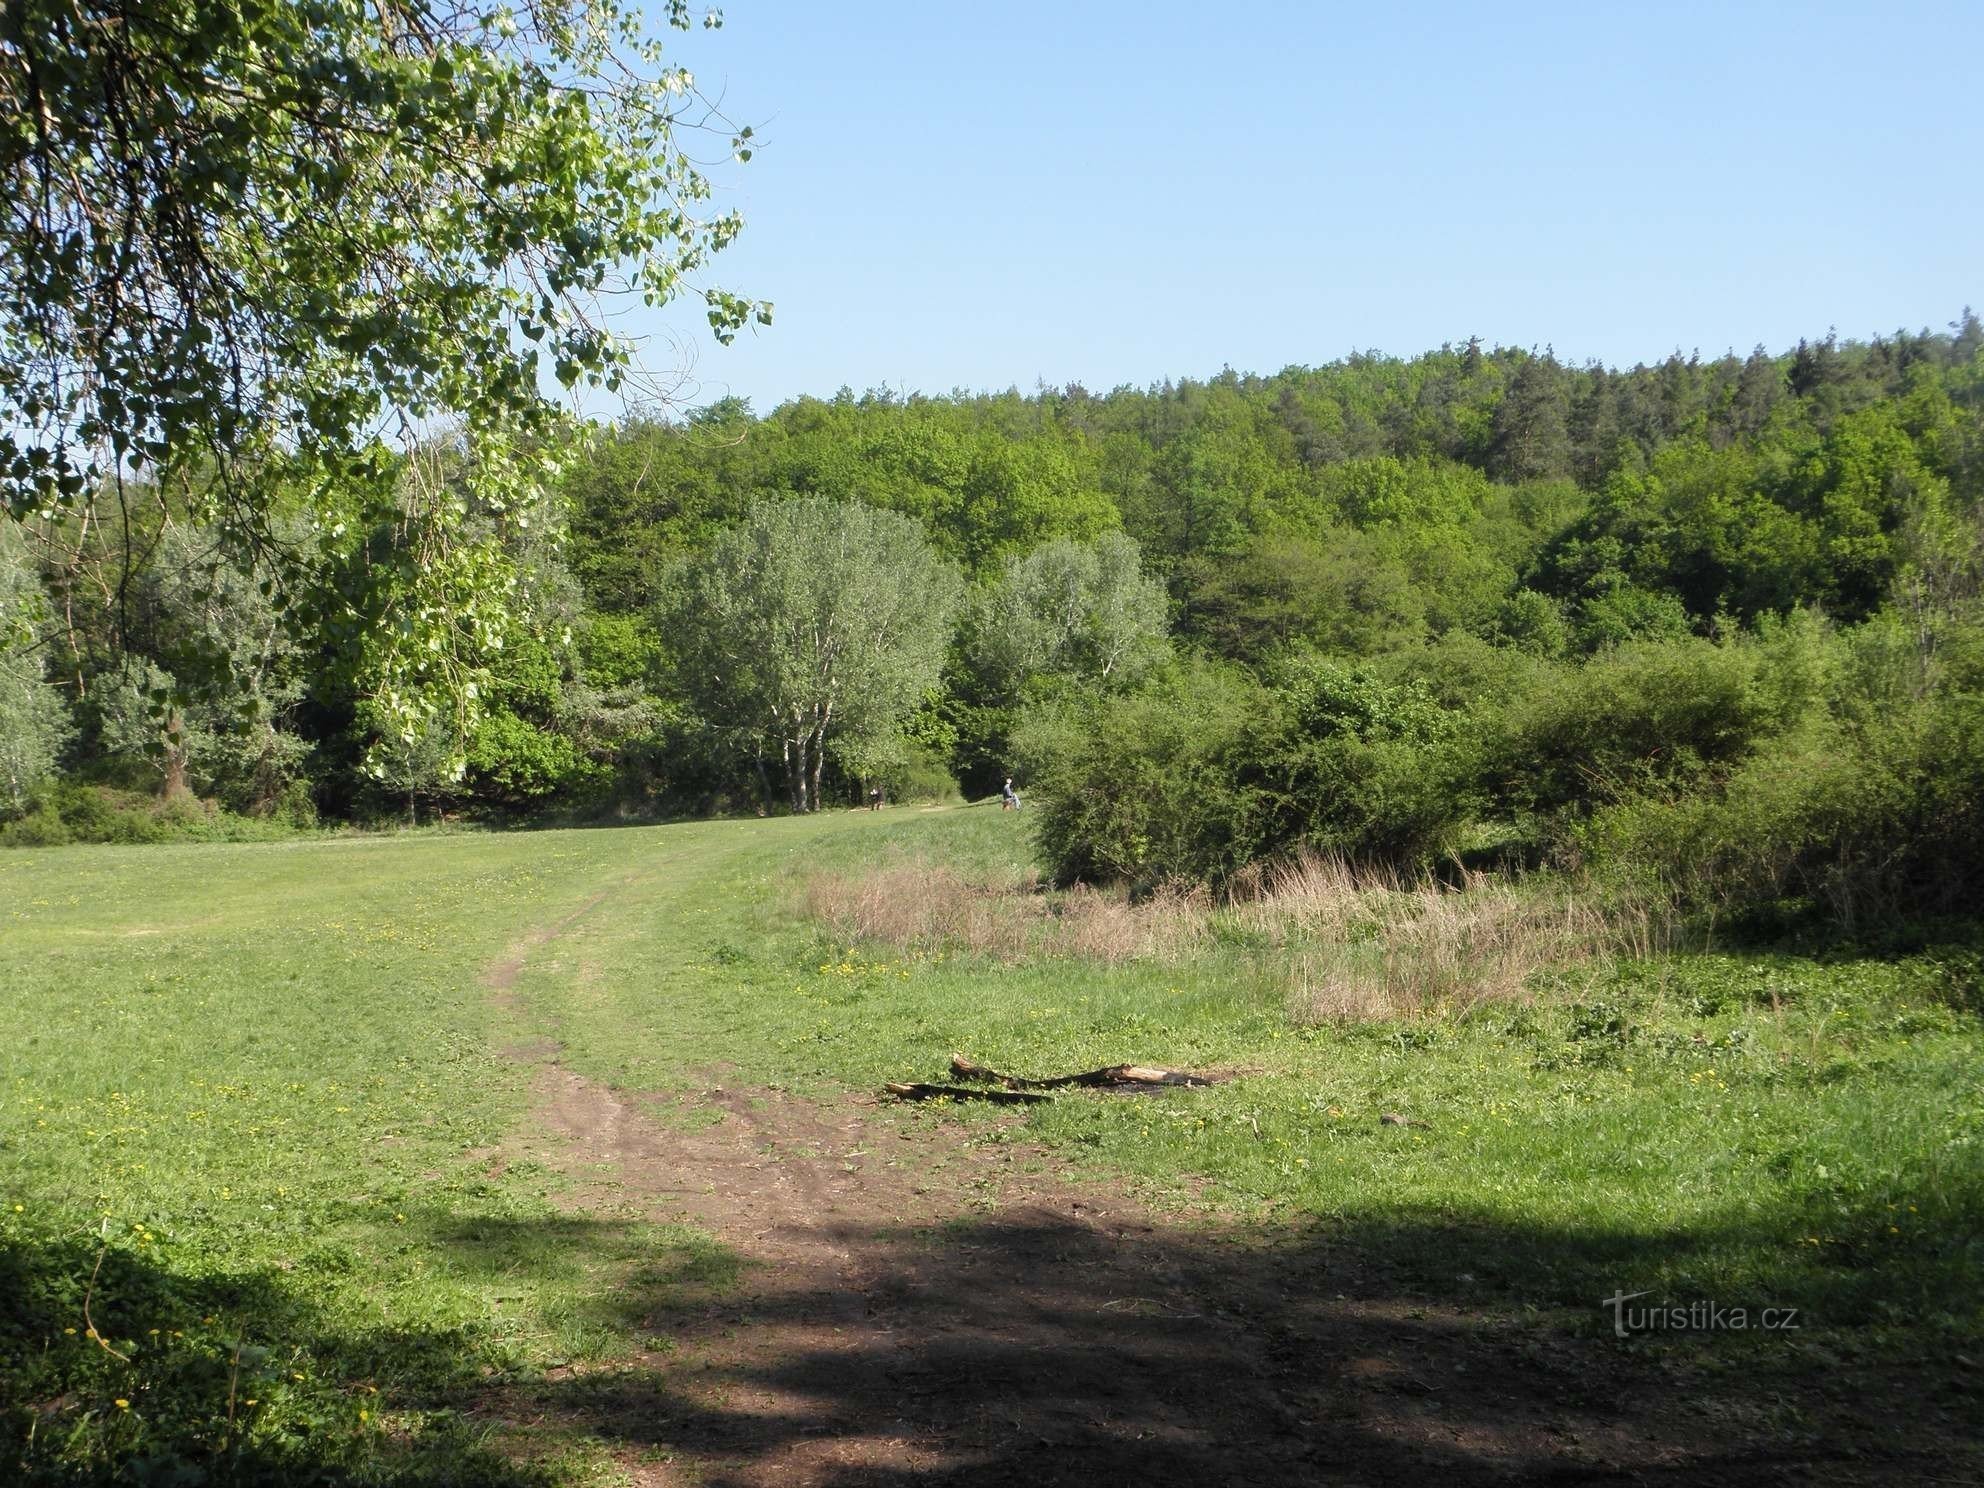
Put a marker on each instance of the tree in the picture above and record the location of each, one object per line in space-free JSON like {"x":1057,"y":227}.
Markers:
{"x":1532,"y":439}
{"x":200,"y":617}
{"x":809,"y":620}
{"x":1081,"y":610}
{"x":270,"y":241}
{"x":34,"y":721}
{"x":1341,"y":592}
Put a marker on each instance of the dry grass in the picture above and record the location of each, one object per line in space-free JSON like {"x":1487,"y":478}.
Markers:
{"x":1342,"y":942}
{"x":1371,"y":944}
{"x":927,"y":907}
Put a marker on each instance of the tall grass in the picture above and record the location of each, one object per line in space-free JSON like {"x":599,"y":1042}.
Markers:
{"x":1372,"y":943}
{"x":1340,"y":941}
{"x":925,"y":906}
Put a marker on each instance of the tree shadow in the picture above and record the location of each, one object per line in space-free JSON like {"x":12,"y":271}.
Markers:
{"x":210,"y":1374}
{"x":1049,"y":1347}
{"x":1043,"y":1345}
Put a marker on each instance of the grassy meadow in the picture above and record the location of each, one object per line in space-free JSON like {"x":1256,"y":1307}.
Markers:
{"x":248,"y":1093}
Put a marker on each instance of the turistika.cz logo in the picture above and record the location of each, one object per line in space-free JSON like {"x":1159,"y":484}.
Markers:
{"x":1694,"y":1317}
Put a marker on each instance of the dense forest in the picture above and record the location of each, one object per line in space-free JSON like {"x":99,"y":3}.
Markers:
{"x":1713,"y":623}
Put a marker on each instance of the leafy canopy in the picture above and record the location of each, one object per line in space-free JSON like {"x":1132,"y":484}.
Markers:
{"x":812,"y":618}
{"x":1081,"y":610}
{"x":296,"y":237}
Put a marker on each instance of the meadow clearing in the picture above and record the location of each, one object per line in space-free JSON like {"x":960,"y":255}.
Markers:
{"x":556,"y":1157}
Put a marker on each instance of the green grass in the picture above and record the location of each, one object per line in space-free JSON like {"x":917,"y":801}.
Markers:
{"x":251,"y":1086}
{"x":254,"y":1080}
{"x":1744,"y":1128}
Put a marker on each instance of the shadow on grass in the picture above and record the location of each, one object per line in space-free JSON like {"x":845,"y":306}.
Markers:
{"x":1049,"y":1347}
{"x":1038,"y":1346}
{"x":225,"y":1377}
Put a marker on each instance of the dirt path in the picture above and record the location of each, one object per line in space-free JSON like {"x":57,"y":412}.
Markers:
{"x":920,"y":1305}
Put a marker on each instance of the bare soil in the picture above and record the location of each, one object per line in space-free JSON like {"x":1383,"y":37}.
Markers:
{"x":920,"y":1305}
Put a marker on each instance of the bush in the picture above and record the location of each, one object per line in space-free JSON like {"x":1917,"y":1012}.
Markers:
{"x":1370,"y":770}
{"x":296,"y":806}
{"x":97,"y":813}
{"x":1212,"y":770}
{"x":919,"y":775}
{"x":41,"y":827}
{"x":1145,"y":786}
{"x":513,"y":762}
{"x":1878,"y":821}
{"x":1649,"y":717}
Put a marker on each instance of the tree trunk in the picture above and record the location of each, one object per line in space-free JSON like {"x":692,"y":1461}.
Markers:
{"x":822,"y":716}
{"x":795,"y":772}
{"x":175,"y":759}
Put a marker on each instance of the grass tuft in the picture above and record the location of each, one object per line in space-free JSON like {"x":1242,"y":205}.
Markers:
{"x":918,"y":905}
{"x":1357,"y":943}
{"x":1339,"y":941}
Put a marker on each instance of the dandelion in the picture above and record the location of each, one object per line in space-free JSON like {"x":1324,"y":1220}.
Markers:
{"x":122,"y":1403}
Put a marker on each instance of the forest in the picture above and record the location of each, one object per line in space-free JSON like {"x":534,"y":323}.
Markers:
{"x":1711,"y":624}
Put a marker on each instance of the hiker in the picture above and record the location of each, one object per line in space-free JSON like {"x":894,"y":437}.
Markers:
{"x":1009,"y":799}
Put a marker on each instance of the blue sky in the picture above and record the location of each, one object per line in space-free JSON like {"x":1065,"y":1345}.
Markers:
{"x":979,"y":196}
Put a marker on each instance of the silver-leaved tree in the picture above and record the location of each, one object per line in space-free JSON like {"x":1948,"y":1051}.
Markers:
{"x":1083,"y":611}
{"x":812,"y":620}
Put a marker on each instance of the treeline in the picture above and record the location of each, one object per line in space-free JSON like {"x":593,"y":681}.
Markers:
{"x":1714,"y":620}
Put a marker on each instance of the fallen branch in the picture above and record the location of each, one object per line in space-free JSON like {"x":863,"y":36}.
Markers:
{"x":1098,"y":1079}
{"x":962,"y":1092}
{"x":89,"y":1323}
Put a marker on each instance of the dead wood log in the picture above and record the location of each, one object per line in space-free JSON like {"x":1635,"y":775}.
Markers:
{"x":1098,"y":1079}
{"x":920,"y":1091}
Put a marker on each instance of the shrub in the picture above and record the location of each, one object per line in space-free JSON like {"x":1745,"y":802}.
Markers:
{"x":1646,"y":717}
{"x":1212,"y":770}
{"x":1147,"y":785}
{"x":514,"y":762}
{"x":1876,"y":820}
{"x":41,"y":827}
{"x":1375,"y":771}
{"x":919,"y":775}
{"x":70,"y":812}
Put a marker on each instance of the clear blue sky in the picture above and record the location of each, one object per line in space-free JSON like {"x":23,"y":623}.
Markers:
{"x":952,"y":195}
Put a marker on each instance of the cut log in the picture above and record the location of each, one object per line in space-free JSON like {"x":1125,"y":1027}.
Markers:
{"x":1097,"y":1079}
{"x":920,"y":1091}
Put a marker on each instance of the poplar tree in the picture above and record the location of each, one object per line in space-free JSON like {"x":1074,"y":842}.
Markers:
{"x":809,"y":620}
